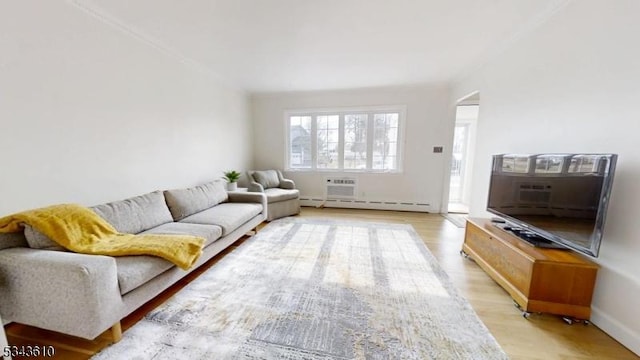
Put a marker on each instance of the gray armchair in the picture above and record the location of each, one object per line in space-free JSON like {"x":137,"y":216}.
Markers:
{"x":283,"y":199}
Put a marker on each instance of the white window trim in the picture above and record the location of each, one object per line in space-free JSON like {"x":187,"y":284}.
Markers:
{"x":341,"y":111}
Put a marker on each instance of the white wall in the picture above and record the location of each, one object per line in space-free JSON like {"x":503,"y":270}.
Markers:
{"x":89,"y":114}
{"x":572,"y":85}
{"x":428,"y":124}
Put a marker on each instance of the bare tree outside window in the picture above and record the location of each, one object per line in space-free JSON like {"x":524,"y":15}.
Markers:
{"x":300,"y":142}
{"x":355,"y":141}
{"x":328,"y":142}
{"x":385,"y":141}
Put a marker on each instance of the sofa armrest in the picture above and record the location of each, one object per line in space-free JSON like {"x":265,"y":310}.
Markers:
{"x":250,"y":197}
{"x":287,"y":184}
{"x":255,"y":186}
{"x":254,"y":197}
{"x":72,"y":293}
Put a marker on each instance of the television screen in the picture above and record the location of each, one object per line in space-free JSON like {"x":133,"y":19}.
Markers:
{"x":562,"y":198}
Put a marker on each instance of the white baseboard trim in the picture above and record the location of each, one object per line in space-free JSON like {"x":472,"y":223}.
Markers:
{"x":615,"y":329}
{"x":365,"y":204}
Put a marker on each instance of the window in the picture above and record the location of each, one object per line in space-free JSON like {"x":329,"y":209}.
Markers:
{"x":355,"y":141}
{"x":385,"y":141}
{"x":366,"y":139}
{"x":300,"y":144}
{"x":328,"y":135}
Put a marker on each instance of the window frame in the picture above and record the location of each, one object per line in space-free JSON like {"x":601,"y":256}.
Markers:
{"x":370,"y":111}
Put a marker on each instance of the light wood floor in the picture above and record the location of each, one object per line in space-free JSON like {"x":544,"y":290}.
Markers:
{"x":540,"y":337}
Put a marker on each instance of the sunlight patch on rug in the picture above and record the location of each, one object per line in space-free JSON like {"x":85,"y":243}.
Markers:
{"x":316,"y":289}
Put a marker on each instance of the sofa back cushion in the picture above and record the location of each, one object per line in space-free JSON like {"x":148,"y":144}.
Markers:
{"x":267,"y":178}
{"x":10,"y":240}
{"x":136,"y":214}
{"x":185,"y":202}
{"x":38,"y":240}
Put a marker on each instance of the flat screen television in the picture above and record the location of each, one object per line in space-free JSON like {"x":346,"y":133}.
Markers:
{"x":553,"y":200}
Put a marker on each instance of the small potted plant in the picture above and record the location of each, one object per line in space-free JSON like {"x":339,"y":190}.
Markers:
{"x":232,"y":179}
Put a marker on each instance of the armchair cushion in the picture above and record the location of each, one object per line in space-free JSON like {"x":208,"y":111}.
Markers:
{"x":267,"y":178}
{"x":276,"y":195}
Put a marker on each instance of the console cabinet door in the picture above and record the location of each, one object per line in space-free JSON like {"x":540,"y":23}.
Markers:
{"x":508,"y":266}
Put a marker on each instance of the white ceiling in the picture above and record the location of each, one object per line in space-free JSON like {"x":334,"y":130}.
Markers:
{"x":292,"y":45}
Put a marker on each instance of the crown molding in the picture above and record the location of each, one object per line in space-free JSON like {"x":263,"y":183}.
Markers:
{"x":92,"y":9}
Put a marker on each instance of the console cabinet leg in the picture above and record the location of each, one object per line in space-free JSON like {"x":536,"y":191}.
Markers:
{"x":116,"y":332}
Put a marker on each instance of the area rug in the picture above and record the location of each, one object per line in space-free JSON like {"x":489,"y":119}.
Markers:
{"x":316,"y":289}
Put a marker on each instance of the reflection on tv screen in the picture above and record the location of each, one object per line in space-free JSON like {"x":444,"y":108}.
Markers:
{"x":561,"y":197}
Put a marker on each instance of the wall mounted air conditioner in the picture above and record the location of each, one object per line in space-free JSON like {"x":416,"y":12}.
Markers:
{"x":341,"y":187}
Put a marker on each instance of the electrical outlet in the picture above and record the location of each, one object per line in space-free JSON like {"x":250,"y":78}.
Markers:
{"x":437,"y":149}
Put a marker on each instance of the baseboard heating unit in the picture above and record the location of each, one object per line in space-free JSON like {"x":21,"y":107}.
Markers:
{"x":313,"y":201}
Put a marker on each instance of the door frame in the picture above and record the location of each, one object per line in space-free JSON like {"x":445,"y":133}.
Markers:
{"x":472,"y":98}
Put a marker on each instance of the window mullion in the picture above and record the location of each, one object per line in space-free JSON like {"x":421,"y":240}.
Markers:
{"x":341,"y":142}
{"x":289,"y":164}
{"x":370,"y":140}
{"x":314,"y":141}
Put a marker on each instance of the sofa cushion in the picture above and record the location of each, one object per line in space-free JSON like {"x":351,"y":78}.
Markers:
{"x":210,"y":233}
{"x":136,"y":214}
{"x":134,"y":271}
{"x":229,"y":216}
{"x":267,"y":178}
{"x":38,"y":240}
{"x":185,"y":202}
{"x":276,"y":194}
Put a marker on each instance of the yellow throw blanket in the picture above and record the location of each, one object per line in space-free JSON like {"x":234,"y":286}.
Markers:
{"x":79,"y":229}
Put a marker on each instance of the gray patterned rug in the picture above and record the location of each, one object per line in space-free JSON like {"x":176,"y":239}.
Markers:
{"x":316,"y":289}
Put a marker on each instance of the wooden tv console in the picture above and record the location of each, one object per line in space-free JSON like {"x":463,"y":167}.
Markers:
{"x":540,"y":280}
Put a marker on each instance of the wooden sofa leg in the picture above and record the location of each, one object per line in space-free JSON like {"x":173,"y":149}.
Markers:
{"x":116,"y":332}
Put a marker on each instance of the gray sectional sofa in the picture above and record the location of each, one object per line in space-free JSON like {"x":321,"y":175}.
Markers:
{"x":44,"y":285}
